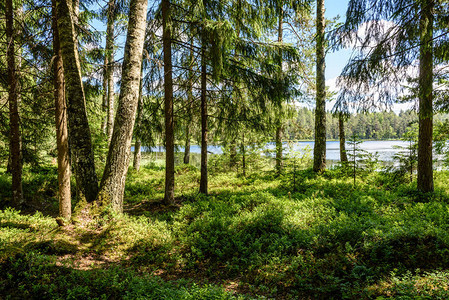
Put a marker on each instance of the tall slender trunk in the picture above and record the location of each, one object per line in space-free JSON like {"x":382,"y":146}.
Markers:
{"x":110,"y":68}
{"x":242,"y":147}
{"x":169,"y":125}
{"x":425,"y":168}
{"x":62,"y":136}
{"x":137,"y":129}
{"x":137,"y":154}
{"x":189,"y":107}
{"x":187,"y":146}
{"x":114,"y":176}
{"x":104,"y":106}
{"x":319,"y":151}
{"x":79,"y":131}
{"x":233,"y":154}
{"x":341,"y":128}
{"x":203,"y":179}
{"x":15,"y":140}
{"x":279,"y":164}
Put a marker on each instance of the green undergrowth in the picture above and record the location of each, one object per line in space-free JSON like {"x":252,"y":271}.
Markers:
{"x":37,"y":276}
{"x":259,"y":235}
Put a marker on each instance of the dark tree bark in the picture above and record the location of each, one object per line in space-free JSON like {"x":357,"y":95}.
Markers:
{"x":189,"y":108}
{"x":79,"y":131}
{"x":169,"y":125}
{"x":319,"y":151}
{"x":425,"y":168}
{"x":242,"y":147}
{"x":116,"y":168}
{"x":187,"y":146}
{"x":203,"y":179}
{"x":341,"y":128}
{"x":62,"y":136}
{"x":233,"y":154}
{"x":138,"y":144}
{"x":105,"y":97}
{"x":15,"y":140}
{"x":279,"y":164}
{"x":137,"y":154}
{"x":279,"y":161}
{"x":109,"y":61}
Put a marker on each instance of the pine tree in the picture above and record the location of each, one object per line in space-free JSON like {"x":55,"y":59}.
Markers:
{"x":319,"y":151}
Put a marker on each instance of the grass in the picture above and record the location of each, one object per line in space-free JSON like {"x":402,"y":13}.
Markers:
{"x":251,"y":237}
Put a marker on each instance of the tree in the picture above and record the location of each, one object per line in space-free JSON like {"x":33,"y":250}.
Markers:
{"x":15,"y":143}
{"x":169,"y":197}
{"x":109,"y":65}
{"x":279,"y":127}
{"x":203,"y":178}
{"x":341,"y":111}
{"x":79,"y":131}
{"x":389,"y":52}
{"x":189,"y":105}
{"x":319,"y":151}
{"x":425,"y":96}
{"x":113,"y":181}
{"x":341,"y":135}
{"x":138,"y":131}
{"x":62,"y":138}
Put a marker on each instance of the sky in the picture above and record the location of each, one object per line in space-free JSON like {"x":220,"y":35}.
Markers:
{"x":336,"y":61}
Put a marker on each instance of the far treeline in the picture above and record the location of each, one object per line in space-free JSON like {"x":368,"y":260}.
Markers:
{"x":370,"y":126}
{"x":206,"y":71}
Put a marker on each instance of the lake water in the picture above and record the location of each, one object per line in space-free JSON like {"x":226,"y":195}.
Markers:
{"x":385,"y":149}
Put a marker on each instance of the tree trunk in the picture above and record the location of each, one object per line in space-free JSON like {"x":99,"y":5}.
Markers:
{"x":79,"y":131}
{"x":425,"y":169}
{"x":319,"y":151}
{"x":137,"y":154}
{"x":189,"y":107}
{"x":15,"y":140}
{"x":62,"y":141}
{"x":138,"y":144}
{"x":242,"y":147}
{"x":187,"y":146}
{"x":114,"y":176}
{"x":110,"y":68}
{"x":169,"y":198}
{"x":341,"y":127}
{"x":279,"y":163}
{"x":233,"y":154}
{"x":203,"y":179}
{"x":105,"y":97}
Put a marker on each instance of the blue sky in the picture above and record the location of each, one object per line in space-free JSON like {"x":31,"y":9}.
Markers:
{"x":337,"y":60}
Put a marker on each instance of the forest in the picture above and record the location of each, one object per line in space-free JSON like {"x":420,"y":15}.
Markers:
{"x":90,"y":210}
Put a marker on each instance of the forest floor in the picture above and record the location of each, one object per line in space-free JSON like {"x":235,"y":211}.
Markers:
{"x":255,"y":236}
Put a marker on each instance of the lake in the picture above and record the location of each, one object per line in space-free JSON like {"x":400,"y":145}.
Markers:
{"x":385,"y":149}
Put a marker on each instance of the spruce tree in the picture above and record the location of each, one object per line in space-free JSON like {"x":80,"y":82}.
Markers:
{"x":15,"y":140}
{"x":62,"y":138}
{"x":387,"y":53}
